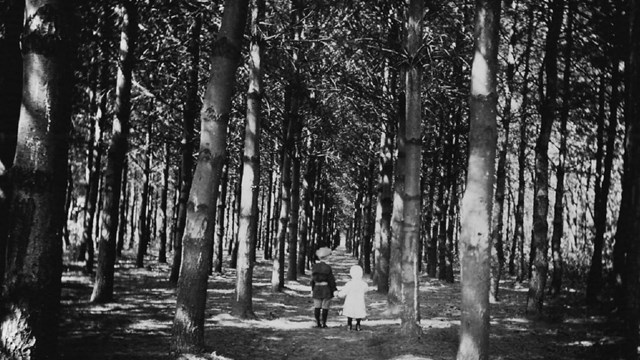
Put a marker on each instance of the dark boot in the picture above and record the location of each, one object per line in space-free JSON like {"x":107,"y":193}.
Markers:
{"x":316,"y":313}
{"x":325,"y":313}
{"x":358,"y":328}
{"x":349,"y":323}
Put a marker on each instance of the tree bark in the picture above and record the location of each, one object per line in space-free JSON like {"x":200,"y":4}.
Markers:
{"x":540,"y":240}
{"x":188,"y":324}
{"x":247,"y":231}
{"x":32,"y":285}
{"x":475,"y":233}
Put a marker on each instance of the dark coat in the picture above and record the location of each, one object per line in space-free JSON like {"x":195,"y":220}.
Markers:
{"x":321,"y":273}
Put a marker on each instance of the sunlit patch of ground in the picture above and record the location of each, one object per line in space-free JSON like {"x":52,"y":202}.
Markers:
{"x":138,"y":324}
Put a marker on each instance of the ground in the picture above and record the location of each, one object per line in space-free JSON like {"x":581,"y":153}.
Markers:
{"x":138,"y":324}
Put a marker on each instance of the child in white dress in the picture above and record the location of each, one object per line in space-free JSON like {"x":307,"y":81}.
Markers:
{"x":353,"y":293}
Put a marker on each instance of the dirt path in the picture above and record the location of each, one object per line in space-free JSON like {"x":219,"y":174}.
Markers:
{"x":138,"y":325}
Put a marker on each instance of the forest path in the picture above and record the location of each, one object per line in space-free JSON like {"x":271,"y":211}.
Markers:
{"x":138,"y":325}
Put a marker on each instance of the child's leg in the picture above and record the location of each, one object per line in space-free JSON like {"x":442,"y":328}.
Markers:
{"x":325,"y":311}
{"x":358,"y":325}
{"x":317,"y":306}
{"x":316,"y":313}
{"x":349,"y":322}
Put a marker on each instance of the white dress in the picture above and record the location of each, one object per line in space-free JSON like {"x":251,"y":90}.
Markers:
{"x":353,"y":293}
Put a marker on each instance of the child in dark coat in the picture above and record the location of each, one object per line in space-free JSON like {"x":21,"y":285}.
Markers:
{"x":323,"y":284}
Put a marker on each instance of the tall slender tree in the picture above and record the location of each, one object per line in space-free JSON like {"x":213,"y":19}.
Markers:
{"x":95,"y":148}
{"x":501,"y":172}
{"x":475,"y":233}
{"x":146,"y":195}
{"x":277,"y":274}
{"x":188,"y":323}
{"x":539,"y":237}
{"x":247,"y":231}
{"x":395,"y":261}
{"x":384,"y":207}
{"x":103,"y":285}
{"x":558,"y":207}
{"x":32,"y":285}
{"x":297,"y":16}
{"x":218,"y":243}
{"x":602,"y":188}
{"x":518,"y":233}
{"x":410,"y":235}
{"x":164,"y":192}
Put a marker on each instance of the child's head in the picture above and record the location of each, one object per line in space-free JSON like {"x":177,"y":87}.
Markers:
{"x":355,"y":272}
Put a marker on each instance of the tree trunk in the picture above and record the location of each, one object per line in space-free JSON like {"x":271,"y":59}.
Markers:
{"x":247,"y":231}
{"x":277,"y":275}
{"x":309,"y":184}
{"x":32,"y":285}
{"x":395,"y":259}
{"x":188,"y":324}
{"x":448,"y":214}
{"x":497,"y":264}
{"x":233,"y":226}
{"x":297,"y":19}
{"x":132,"y":214}
{"x":368,"y":220}
{"x":629,"y":218}
{"x":103,"y":286}
{"x":594,"y":280}
{"x":145,"y":195}
{"x":122,"y":222}
{"x":540,"y":240}
{"x":522,"y":151}
{"x":558,"y":208}
{"x":410,"y":235}
{"x":218,"y":243}
{"x":94,"y":156}
{"x":475,"y":234}
{"x":292,"y":268}
{"x":186,"y":166}
{"x":162,"y":235}
{"x":10,"y":92}
{"x":432,"y":251}
{"x":385,"y":203}
{"x":270,"y":209}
